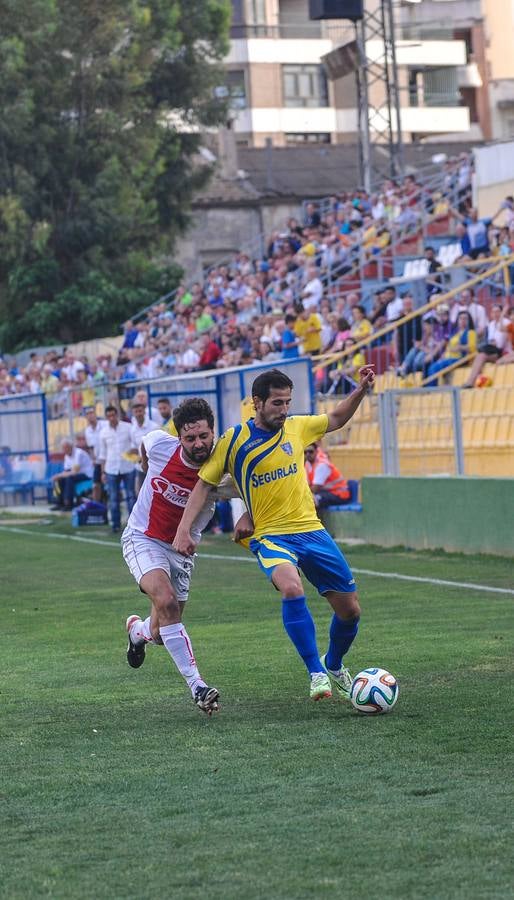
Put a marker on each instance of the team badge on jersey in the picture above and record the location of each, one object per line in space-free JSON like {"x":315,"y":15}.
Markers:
{"x":287,"y":448}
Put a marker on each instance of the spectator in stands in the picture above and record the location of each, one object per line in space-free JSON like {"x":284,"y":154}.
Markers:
{"x":117,"y":470}
{"x":165,"y":411}
{"x":433,"y":283}
{"x":477,"y":230}
{"x":442,"y":326}
{"x":466,"y":303}
{"x":361,"y":326}
{"x":312,"y":217}
{"x":92,"y":433}
{"x":307,"y":329}
{"x":130,"y":334}
{"x":290,"y":341}
{"x":462,"y":343}
{"x":394,"y":305}
{"x":313,"y":290}
{"x":509,"y":329}
{"x":140,"y":427}
{"x":407,"y":333}
{"x":152,"y":414}
{"x":423,"y":353}
{"x":77,"y":468}
{"x":492,"y":348}
{"x":328,"y":486}
{"x":72,"y":366}
{"x":210,"y":353}
{"x":461,"y":233}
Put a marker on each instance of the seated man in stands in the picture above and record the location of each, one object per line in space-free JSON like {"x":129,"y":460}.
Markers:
{"x":328,"y":486}
{"x":77,"y":467}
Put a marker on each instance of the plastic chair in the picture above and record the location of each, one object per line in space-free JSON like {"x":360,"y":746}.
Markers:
{"x":20,"y":483}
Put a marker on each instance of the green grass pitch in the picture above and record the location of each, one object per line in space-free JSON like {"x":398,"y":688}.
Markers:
{"x":114,"y":786}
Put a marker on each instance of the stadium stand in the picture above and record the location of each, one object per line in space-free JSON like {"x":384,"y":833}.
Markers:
{"x":347,"y":250}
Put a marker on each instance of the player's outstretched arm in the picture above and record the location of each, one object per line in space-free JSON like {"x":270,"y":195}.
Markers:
{"x":345,"y":409}
{"x":183,"y":542}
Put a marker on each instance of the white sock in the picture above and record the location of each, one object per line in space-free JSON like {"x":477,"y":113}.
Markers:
{"x":176,"y":640}
{"x":140,"y":631}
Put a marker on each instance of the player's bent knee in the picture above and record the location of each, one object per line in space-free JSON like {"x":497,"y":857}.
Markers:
{"x":346,"y":606}
{"x":288,"y":582}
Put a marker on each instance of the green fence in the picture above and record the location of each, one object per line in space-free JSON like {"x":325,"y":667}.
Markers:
{"x":466,"y":515}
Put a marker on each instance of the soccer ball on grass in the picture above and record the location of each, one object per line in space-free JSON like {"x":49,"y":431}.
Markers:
{"x":374,"y":691}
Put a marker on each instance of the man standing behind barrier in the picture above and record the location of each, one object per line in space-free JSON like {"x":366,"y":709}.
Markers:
{"x":92,"y":434}
{"x":115,"y":441}
{"x":141,"y":426}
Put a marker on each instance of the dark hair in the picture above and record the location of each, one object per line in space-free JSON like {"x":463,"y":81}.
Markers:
{"x":192,"y":410}
{"x":164,"y":400}
{"x":111,"y":408}
{"x":290,"y":318}
{"x":273,"y":378}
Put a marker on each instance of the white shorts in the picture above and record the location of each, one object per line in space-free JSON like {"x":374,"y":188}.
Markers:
{"x":143,"y":554}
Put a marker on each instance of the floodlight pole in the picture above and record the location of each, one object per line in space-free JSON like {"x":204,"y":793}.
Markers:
{"x":378,"y":95}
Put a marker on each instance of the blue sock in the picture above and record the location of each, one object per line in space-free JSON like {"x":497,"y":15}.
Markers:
{"x":342,"y":633}
{"x":299,"y":625}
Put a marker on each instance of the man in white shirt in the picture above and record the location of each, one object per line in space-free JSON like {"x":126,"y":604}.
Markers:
{"x":71,"y":366}
{"x":140,"y":426}
{"x":77,"y":467}
{"x":313,"y":290}
{"x":151,"y":413}
{"x":92,"y":434}
{"x":394,"y":307}
{"x":115,"y":444}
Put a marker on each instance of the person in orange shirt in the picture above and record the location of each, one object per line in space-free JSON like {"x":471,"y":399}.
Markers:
{"x":325,"y":481}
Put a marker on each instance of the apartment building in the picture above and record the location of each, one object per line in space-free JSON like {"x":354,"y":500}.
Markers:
{"x":279,"y":88}
{"x":499,"y":52}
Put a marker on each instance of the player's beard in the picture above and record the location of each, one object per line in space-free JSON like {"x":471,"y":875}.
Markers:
{"x":198,"y":456}
{"x":274,"y":424}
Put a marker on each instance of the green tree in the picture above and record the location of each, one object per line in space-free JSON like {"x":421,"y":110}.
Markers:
{"x":102,"y":104}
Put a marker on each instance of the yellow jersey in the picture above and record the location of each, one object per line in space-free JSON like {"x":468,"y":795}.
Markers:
{"x":269,"y":473}
{"x":170,"y":428}
{"x":311,"y":342}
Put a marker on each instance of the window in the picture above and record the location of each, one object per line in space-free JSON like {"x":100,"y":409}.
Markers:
{"x":256,"y":12}
{"x":237,"y":88}
{"x":309,"y":137}
{"x":305,"y":86}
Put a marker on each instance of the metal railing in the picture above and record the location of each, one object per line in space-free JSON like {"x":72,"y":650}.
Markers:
{"x":495,"y":266}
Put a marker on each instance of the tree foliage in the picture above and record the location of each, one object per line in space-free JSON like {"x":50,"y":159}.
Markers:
{"x":102,"y":103}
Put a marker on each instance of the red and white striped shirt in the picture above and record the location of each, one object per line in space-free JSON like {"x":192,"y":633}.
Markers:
{"x":165,"y":490}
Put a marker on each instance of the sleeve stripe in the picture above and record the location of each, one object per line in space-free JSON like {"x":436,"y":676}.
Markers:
{"x":235,"y":435}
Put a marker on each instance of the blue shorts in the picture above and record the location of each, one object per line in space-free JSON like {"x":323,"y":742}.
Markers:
{"x":313,"y":552}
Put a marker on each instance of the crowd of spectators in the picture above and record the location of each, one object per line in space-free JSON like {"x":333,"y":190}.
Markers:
{"x":290,"y":301}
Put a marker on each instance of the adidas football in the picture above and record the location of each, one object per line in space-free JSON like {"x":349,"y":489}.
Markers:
{"x":374,"y":691}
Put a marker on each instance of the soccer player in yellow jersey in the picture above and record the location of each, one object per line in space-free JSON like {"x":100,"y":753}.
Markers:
{"x":265,"y":457}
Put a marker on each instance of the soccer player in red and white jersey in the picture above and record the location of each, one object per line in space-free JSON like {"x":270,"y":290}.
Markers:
{"x":171,"y":465}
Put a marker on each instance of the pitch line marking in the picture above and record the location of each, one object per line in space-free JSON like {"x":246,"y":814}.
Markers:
{"x":418,"y":578}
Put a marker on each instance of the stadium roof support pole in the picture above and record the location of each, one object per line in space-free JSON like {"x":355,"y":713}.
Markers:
{"x":378,"y":94}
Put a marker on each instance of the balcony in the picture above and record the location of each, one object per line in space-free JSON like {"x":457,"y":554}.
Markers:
{"x":435,"y":119}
